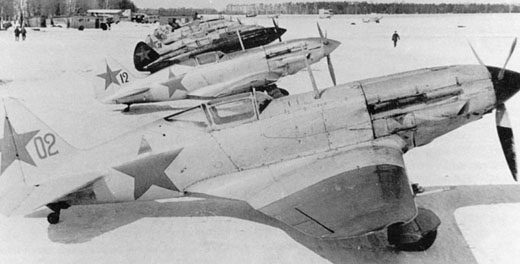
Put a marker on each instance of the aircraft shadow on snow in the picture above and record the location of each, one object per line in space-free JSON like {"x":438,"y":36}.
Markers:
{"x":80,"y":224}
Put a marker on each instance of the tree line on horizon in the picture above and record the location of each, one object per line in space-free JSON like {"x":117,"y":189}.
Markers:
{"x":46,"y":8}
{"x":401,"y":8}
{"x":380,"y":8}
{"x":349,"y":8}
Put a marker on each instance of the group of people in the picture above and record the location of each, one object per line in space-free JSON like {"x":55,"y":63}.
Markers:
{"x":18,"y":31}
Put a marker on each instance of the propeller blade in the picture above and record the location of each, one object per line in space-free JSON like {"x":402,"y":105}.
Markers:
{"x":276,"y":28}
{"x":501,"y":73}
{"x":240,"y":40}
{"x":476,"y":55}
{"x":322,"y":36}
{"x":311,"y":75}
{"x":319,"y":30}
{"x":505,"y":134}
{"x":331,"y":70}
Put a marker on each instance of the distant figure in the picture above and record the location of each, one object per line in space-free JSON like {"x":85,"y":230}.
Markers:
{"x":16,"y":33}
{"x":24,"y":32}
{"x":395,"y":38}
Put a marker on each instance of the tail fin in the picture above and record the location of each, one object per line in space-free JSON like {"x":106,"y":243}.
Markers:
{"x":31,"y":153}
{"x":111,"y":79}
{"x":144,"y":55}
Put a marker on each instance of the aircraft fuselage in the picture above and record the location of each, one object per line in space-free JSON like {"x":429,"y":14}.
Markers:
{"x":245,"y":156}
{"x":229,"y":76}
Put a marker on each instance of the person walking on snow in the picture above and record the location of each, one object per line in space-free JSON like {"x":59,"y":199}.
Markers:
{"x":24,"y":32}
{"x":395,"y":38}
{"x":16,"y":33}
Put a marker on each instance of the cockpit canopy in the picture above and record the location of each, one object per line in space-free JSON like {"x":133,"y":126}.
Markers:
{"x":225,"y":112}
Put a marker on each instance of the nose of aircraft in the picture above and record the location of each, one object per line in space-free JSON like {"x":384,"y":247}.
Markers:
{"x":279,"y":31}
{"x":506,"y":87}
{"x":331,"y":46}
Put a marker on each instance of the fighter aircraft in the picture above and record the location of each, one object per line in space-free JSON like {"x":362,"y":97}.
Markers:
{"x":327,"y":162}
{"x":196,"y":28}
{"x":256,"y":68}
{"x":152,"y":59}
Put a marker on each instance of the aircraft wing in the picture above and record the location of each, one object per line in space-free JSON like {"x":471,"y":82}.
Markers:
{"x":315,"y":194}
{"x":25,"y":200}
{"x":237,"y":85}
{"x":123,"y":94}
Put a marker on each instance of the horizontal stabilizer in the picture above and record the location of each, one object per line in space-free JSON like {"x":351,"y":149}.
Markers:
{"x":34,"y":197}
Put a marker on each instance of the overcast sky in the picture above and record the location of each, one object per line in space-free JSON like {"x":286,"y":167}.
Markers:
{"x":221,"y":4}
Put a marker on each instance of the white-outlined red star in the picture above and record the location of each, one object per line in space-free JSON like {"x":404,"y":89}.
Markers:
{"x":13,"y":146}
{"x":109,"y":76}
{"x":143,"y":53}
{"x":149,"y":170}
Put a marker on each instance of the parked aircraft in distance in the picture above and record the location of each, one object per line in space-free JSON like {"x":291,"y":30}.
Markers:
{"x":328,"y":163}
{"x":372,"y":19}
{"x":325,"y":13}
{"x":257,"y":68}
{"x":147,"y":58}
{"x":164,"y":35}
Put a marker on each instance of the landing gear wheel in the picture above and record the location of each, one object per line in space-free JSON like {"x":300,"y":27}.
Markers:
{"x":423,"y":244}
{"x":416,"y":235}
{"x":53,"y":218}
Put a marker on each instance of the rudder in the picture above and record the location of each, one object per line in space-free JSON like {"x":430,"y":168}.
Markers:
{"x":28,"y":146}
{"x":144,"y":55}
{"x":113,"y":78}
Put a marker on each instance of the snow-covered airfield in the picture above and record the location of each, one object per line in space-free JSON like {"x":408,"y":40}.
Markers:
{"x":52,"y":70}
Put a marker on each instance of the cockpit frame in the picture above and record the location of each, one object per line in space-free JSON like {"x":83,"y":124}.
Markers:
{"x":230,"y":111}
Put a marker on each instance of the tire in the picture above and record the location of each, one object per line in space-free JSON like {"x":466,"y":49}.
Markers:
{"x":104,"y":26}
{"x":80,"y":28}
{"x":423,"y":244}
{"x":53,"y":218}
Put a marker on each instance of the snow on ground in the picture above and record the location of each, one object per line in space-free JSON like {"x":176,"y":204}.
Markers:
{"x":51,"y":73}
{"x":491,"y":231}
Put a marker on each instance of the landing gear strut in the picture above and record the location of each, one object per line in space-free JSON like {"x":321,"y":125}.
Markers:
{"x":417,"y":235}
{"x":54,"y":217}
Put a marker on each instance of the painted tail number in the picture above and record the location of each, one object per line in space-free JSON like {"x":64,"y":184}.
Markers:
{"x":45,"y":145}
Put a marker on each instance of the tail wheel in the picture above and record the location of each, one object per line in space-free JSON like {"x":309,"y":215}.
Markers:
{"x":54,"y":217}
